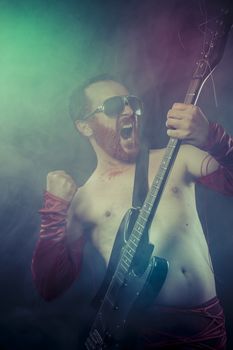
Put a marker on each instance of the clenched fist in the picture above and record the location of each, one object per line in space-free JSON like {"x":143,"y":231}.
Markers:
{"x":60,"y":184}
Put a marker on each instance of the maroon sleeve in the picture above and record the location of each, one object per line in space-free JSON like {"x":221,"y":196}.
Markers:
{"x":55,"y":263}
{"x":219,"y":145}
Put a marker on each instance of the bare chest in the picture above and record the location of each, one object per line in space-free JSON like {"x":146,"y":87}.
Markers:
{"x":104,"y":204}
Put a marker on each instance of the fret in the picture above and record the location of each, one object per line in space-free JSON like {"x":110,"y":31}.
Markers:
{"x":150,"y":200}
{"x":129,"y":260}
{"x":147,"y":207}
{"x":137,"y":235}
{"x":128,"y":253}
{"x":144,"y":214}
{"x":147,"y":211}
{"x":134,"y":237}
{"x":124,"y":268}
{"x":125,"y":265}
{"x":129,"y":244}
{"x":108,"y":299}
{"x":119,"y":275}
{"x":139,"y":225}
{"x":168,"y":152}
{"x":126,"y":259}
{"x":156,"y":191}
{"x":140,"y":217}
{"x":155,"y":186}
{"x":119,"y":278}
{"x":160,"y":176}
{"x":138,"y":231}
{"x":134,"y":243}
{"x":171,"y":148}
{"x":163,"y":166}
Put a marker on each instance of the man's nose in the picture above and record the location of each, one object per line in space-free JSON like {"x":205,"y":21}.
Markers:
{"x":127,"y":110}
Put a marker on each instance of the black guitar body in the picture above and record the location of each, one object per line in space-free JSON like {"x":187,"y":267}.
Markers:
{"x":119,"y":315}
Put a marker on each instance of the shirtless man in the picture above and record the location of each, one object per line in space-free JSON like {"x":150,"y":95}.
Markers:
{"x":100,"y":204}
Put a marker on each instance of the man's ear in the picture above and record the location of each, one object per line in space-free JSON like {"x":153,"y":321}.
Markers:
{"x":84,"y":128}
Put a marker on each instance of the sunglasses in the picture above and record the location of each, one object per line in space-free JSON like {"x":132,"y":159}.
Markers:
{"x":115,"y":105}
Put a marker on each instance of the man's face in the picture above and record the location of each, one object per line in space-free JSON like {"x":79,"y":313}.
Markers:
{"x":119,"y":136}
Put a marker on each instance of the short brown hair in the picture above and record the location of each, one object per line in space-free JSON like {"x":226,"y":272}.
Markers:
{"x":79,"y":106}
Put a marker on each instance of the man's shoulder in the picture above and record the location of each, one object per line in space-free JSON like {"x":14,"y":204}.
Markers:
{"x":187,"y":154}
{"x":86,"y":191}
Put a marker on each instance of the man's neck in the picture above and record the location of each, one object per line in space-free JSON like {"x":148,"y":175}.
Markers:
{"x":109,"y":166}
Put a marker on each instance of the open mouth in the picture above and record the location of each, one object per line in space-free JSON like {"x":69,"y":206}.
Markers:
{"x":126,"y":131}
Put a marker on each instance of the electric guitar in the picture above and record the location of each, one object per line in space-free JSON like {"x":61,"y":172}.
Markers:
{"x":139,"y":274}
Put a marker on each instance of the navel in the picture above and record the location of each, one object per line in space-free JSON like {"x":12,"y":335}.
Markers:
{"x":107,"y":213}
{"x":183,"y":270}
{"x":175,"y":189}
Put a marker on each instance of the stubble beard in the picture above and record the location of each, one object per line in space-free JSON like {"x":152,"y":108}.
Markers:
{"x":111,"y":142}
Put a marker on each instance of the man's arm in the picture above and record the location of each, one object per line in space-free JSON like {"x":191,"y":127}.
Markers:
{"x":219,"y":145}
{"x":212,"y":162}
{"x":56,"y":262}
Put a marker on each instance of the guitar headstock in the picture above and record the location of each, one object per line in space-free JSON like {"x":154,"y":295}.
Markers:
{"x":215,"y":31}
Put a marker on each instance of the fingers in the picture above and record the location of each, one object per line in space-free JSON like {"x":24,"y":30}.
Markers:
{"x":173,"y":123}
{"x":182,"y":110}
{"x":179,"y":120}
{"x":59,"y":174}
{"x":179,"y":134}
{"x":187,"y":122}
{"x":182,"y":106}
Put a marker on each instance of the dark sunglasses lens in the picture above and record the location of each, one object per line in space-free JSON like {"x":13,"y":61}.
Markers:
{"x":136,"y":104}
{"x":113,"y":106}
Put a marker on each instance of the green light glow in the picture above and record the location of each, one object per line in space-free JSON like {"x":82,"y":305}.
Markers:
{"x":44,"y":51}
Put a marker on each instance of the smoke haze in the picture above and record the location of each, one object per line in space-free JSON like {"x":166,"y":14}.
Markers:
{"x":46,"y":49}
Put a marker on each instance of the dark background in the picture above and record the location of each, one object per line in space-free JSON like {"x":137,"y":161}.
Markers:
{"x":46,"y":49}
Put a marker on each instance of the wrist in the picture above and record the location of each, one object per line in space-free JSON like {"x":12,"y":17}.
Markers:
{"x":216,"y":139}
{"x":54,"y":203}
{"x":219,"y":144}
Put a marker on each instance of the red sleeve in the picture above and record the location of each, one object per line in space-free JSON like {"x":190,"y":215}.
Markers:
{"x":55,"y":264}
{"x":219,"y":145}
